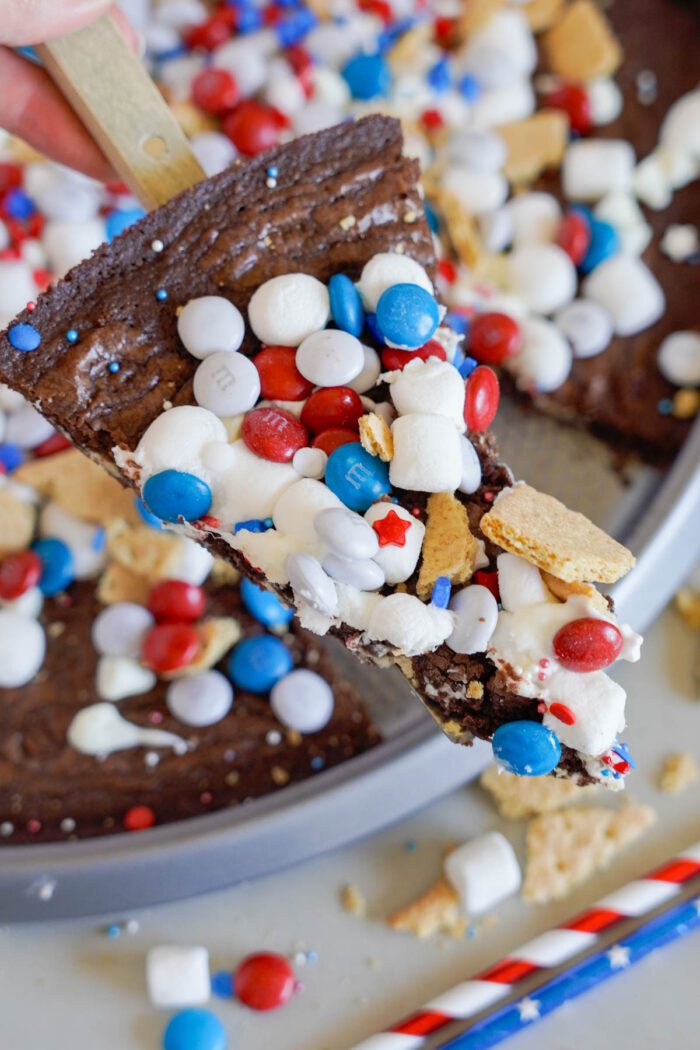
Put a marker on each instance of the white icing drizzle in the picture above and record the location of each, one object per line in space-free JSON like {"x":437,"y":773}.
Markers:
{"x":100,"y":730}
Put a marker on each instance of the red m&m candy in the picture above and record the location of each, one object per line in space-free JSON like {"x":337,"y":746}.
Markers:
{"x":252,"y":128}
{"x":169,"y":647}
{"x":56,"y":443}
{"x":493,"y":337}
{"x":274,"y":434}
{"x":329,"y":440}
{"x":574,"y":100}
{"x":574,"y":236}
{"x":489,"y":580}
{"x":176,"y":601}
{"x":332,"y":406}
{"x":264,"y":981}
{"x":395,"y":360}
{"x":18,"y":573}
{"x":588,"y":644}
{"x":280,"y":379}
{"x":209,"y":34}
{"x":481,"y":399}
{"x":215,"y":91}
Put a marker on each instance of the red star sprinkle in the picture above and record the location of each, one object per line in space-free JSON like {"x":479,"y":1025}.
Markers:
{"x":391,"y":529}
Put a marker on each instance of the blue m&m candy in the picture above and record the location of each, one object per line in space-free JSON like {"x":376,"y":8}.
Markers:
{"x":194,"y":1029}
{"x":604,"y":242}
{"x":11,"y":457}
{"x":173,"y":494}
{"x":407,"y":316}
{"x":356,"y":477}
{"x":58,"y":566}
{"x":264,"y":605}
{"x":144,"y":513}
{"x":367,"y":76}
{"x":120,"y":220}
{"x":526,"y":748}
{"x":24,"y":337}
{"x":256,"y":664}
{"x":346,"y":306}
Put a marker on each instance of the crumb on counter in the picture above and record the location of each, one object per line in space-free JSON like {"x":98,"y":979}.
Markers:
{"x":678,"y":771}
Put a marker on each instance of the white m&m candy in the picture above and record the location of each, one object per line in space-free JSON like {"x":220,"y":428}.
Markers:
{"x":209,"y":325}
{"x":226,"y":384}
{"x":310,"y":463}
{"x":679,"y":358}
{"x":285,"y":310}
{"x":201,"y":699}
{"x":310,"y":582}
{"x":119,"y":630}
{"x":302,"y":700}
{"x":362,"y":573}
{"x":594,"y":167}
{"x":544,"y":275}
{"x":330,"y":358}
{"x":370,"y":371}
{"x":586,"y":325}
{"x":476,"y":614}
{"x":628,"y":290}
{"x":427,"y":453}
{"x":545,"y":358}
{"x":471,"y":467}
{"x":22,"y":648}
{"x":346,"y":533}
{"x":386,"y":269}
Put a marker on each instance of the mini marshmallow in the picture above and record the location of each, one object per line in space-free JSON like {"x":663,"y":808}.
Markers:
{"x":628,"y":290}
{"x":479,"y":150}
{"x":119,"y":676}
{"x":496,"y":230}
{"x":662,"y":172}
{"x":310,"y":462}
{"x":586,"y":325}
{"x":286,"y":310}
{"x":594,"y":167}
{"x":680,"y":130}
{"x":597,"y":704}
{"x":545,"y":358}
{"x":17,"y":287}
{"x":177,"y":976}
{"x":210,"y":325}
{"x":214,"y":151}
{"x":508,"y":32}
{"x":317,"y":115}
{"x":386,"y":269}
{"x":175,"y":439}
{"x":27,"y":428}
{"x":678,"y":358}
{"x":471,"y":467}
{"x":28,"y":604}
{"x":543,"y":275}
{"x":427,"y":453}
{"x":398,"y":562}
{"x":605,"y":100}
{"x":476,"y":191}
{"x":355,"y":607}
{"x":369,"y":375}
{"x":431,"y":384}
{"x":86,"y":542}
{"x":504,"y":105}
{"x":283,"y":90}
{"x":476,"y":614}
{"x":405,"y":622}
{"x":519,"y":583}
{"x":483,"y":872}
{"x":622,"y":211}
{"x":330,"y":358}
{"x":296,"y":509}
{"x":247,"y":63}
{"x":195,"y":562}
{"x":535,"y":218}
{"x":68,"y":243}
{"x":22,"y":648}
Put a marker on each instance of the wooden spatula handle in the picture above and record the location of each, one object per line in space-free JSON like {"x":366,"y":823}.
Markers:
{"x":118,"y":102}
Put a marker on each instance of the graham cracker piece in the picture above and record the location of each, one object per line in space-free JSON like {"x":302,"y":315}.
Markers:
{"x":534,"y":144}
{"x":352,"y":899}
{"x":118,"y":584}
{"x":222,"y":572}
{"x":582,"y":44}
{"x":542,"y":14}
{"x":147,"y":553}
{"x":566,"y":848}
{"x":462,"y":229}
{"x":403,"y":55}
{"x":217,"y":634}
{"x":476,"y":13}
{"x":80,"y":487}
{"x":17,"y":521}
{"x":688,"y":605}
{"x":547,"y":534}
{"x":563,"y":590}
{"x":435,"y":911}
{"x":518,"y":797}
{"x":449,"y":548}
{"x":376,"y":437}
{"x":686,"y":403}
{"x":678,"y":772}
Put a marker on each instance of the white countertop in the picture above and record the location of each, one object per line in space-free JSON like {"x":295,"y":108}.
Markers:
{"x":65,"y":986}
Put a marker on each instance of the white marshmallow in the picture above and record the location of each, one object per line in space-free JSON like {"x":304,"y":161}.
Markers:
{"x":535,"y":218}
{"x":10,"y":400}
{"x":398,"y":562}
{"x":177,"y":976}
{"x":545,"y":358}
{"x":369,"y":375}
{"x":662,"y":172}
{"x":680,"y":129}
{"x":250,"y":487}
{"x":27,"y":428}
{"x":586,"y":325}
{"x":68,"y":243}
{"x":316,"y":115}
{"x":483,"y":872}
{"x":476,"y":613}
{"x":503,"y":105}
{"x":195,"y":562}
{"x":355,"y":607}
{"x":543,"y":275}
{"x":386,"y":269}
{"x":605,"y":100}
{"x":22,"y":648}
{"x":178,"y":73}
{"x":479,"y":150}
{"x":427,"y":454}
{"x":119,"y":630}
{"x":330,"y":358}
{"x":680,"y":241}
{"x":214,"y":151}
{"x":28,"y":604}
{"x":247,"y":63}
{"x":594,"y":167}
{"x":283,"y":89}
{"x":476,"y":191}
{"x":429,"y":385}
{"x":678,"y":358}
{"x":508,"y":31}
{"x":17,"y":287}
{"x":622,"y":211}
{"x":285,"y":310}
{"x":210,"y":325}
{"x":310,"y":582}
{"x":519,"y":583}
{"x":297,"y":508}
{"x":303,"y":701}
{"x":628,"y":290}
{"x":120,"y":676}
{"x":412,"y":627}
{"x":175,"y":439}
{"x":86,"y":542}
{"x":227,"y":384}
{"x":598,"y":705}
{"x":496,"y":230}
{"x":310,"y":462}
{"x":471,"y":467}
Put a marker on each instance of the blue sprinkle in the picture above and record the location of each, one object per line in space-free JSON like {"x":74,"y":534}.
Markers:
{"x":222,"y":984}
{"x":469,"y":88}
{"x":273,"y":171}
{"x":252,"y":525}
{"x":623,"y":751}
{"x":442,"y":590}
{"x":171,"y":52}
{"x":410,"y":845}
{"x":24,"y":337}
{"x":162,"y":294}
{"x":665,"y":406}
{"x":431,"y":217}
{"x":391,"y":33}
{"x":99,"y":540}
{"x":367,"y":76}
{"x":30,"y":53}
{"x":467,"y":366}
{"x":470,"y":933}
{"x":268,"y":523}
{"x":175,"y":494}
{"x":113,"y":931}
{"x":317,"y":763}
{"x":58,"y":566}
{"x":11,"y":457}
{"x":146,"y":515}
{"x":194,"y":1029}
{"x":312,"y":956}
{"x":439,"y":76}
{"x":120,"y":220}
{"x":346,"y":305}
{"x":72,"y":335}
{"x":19,"y":205}
{"x":113,"y":367}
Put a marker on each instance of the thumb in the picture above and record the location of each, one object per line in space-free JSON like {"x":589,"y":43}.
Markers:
{"x":33,"y":21}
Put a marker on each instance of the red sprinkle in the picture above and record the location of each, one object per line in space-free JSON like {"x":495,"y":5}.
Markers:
{"x":575,"y":102}
{"x":252,"y":128}
{"x":563,"y":713}
{"x":588,"y":644}
{"x":215,"y":91}
{"x":34,"y":826}
{"x":264,"y":981}
{"x":488,"y":579}
{"x":274,"y":434}
{"x":280,"y":379}
{"x":493,"y":337}
{"x":447,"y":270}
{"x":176,"y":601}
{"x":19,"y":572}
{"x":332,"y":406}
{"x":481,"y":399}
{"x":138,"y":818}
{"x":169,"y":647}
{"x":396,"y":360}
{"x":329,"y":440}
{"x":574,"y":236}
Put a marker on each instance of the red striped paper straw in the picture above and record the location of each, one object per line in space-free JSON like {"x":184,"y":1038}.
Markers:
{"x":550,"y":949}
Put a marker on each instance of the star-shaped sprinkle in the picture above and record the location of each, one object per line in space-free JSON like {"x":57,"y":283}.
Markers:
{"x":391,"y":530}
{"x":529,"y":1009}
{"x":619,"y":957}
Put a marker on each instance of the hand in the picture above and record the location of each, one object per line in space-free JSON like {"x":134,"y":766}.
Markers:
{"x":31,"y":106}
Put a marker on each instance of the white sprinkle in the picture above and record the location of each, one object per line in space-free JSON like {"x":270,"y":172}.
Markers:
{"x":151,"y":759}
{"x":157,"y":246}
{"x":68,"y":825}
{"x":273,"y":738}
{"x":6,"y":828}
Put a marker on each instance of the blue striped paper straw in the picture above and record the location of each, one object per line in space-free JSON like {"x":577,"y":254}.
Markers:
{"x":665,"y":928}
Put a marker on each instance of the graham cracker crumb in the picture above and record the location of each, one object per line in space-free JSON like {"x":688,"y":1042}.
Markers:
{"x":475,"y":690}
{"x":534,"y":145}
{"x":222,"y":572}
{"x":462,"y":229}
{"x":582,"y":44}
{"x":80,"y":487}
{"x":678,"y":772}
{"x":518,"y":797}
{"x":688,"y":605}
{"x":376,"y":437}
{"x":348,"y":222}
{"x":435,"y":911}
{"x":686,"y":403}
{"x":352,"y":899}
{"x":542,"y":14}
{"x":546,"y":533}
{"x":409,"y":47}
{"x":565,"y":848}
{"x":279,"y":775}
{"x":563,"y":590}
{"x":118,"y":584}
{"x":293,"y":737}
{"x":232,"y":778}
{"x":449,"y":548}
{"x":216,"y":636}
{"x":17,"y":520}
{"x":153,"y":555}
{"x":477,"y":13}
{"x":192,"y":119}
